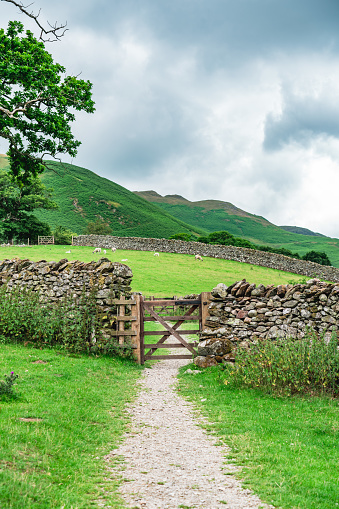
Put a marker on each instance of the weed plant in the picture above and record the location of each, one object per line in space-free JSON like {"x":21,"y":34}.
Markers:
{"x":289,"y":366}
{"x":70,"y":324}
{"x":6,"y":386}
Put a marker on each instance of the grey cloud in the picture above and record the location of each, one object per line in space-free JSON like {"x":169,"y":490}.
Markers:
{"x":302,"y":119}
{"x":221,"y":30}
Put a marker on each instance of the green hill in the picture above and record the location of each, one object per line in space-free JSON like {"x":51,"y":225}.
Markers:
{"x":214,"y":215}
{"x":83,"y":196}
{"x":302,"y":231}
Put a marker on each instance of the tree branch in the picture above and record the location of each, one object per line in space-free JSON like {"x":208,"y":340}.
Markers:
{"x":57,"y":32}
{"x":23,"y":108}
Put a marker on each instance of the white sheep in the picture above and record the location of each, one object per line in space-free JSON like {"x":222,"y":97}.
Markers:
{"x":104,"y":251}
{"x":97,"y":250}
{"x":198,"y":257}
{"x":156,"y":254}
{"x":114,"y":249}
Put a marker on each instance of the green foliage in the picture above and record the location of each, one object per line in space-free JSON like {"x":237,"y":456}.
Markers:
{"x":225,"y":238}
{"x":170,"y":274}
{"x":286,"y":446}
{"x":317,"y":257}
{"x":17,"y":202}
{"x":182,"y":236}
{"x":6,"y":386}
{"x":70,"y":325}
{"x":79,"y":402}
{"x":98,"y":227}
{"x":37,"y":101}
{"x":63,"y":236}
{"x":289,"y":366}
{"x":212,"y":217}
{"x":83,"y":196}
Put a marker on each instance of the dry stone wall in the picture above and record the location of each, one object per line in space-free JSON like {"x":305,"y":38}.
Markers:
{"x":56,"y":280}
{"x":241,"y":313}
{"x":240,"y":254}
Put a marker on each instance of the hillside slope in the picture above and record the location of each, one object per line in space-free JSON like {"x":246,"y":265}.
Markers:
{"x":83,"y":196}
{"x":214,"y":215}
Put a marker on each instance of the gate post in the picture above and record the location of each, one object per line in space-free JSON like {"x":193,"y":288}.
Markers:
{"x":135,"y":326}
{"x":205,"y":302}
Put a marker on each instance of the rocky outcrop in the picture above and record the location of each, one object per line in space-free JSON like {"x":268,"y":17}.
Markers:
{"x":242,"y":312}
{"x":240,"y":254}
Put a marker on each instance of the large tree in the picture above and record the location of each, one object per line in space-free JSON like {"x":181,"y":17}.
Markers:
{"x":17,"y":202}
{"x":37,"y":102}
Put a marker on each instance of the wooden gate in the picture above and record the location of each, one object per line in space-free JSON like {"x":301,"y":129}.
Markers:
{"x":189,"y":310}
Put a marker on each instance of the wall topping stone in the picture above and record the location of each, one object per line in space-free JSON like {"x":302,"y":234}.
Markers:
{"x":240,"y":254}
{"x":56,"y":280}
{"x":236,"y":319}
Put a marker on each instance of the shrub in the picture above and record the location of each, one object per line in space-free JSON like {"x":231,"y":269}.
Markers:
{"x":6,"y":386}
{"x":70,"y":324}
{"x":182,"y":236}
{"x":98,"y":227}
{"x":289,"y":366}
{"x":63,"y":236}
{"x":317,"y":257}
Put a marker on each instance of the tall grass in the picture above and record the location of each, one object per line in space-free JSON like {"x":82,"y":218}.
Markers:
{"x":289,"y":366}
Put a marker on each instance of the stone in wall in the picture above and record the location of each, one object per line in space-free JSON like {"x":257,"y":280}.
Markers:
{"x":58,"y":280}
{"x":241,"y":313}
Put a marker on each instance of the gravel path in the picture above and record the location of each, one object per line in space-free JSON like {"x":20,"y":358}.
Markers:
{"x":171,"y":462}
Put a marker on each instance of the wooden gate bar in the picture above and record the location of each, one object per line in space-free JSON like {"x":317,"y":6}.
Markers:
{"x":166,"y":357}
{"x":175,"y":326}
{"x":142,"y":331}
{"x":135,"y":326}
{"x":166,"y":333}
{"x":169,"y":345}
{"x":184,"y":318}
{"x":188,"y":302}
{"x":170,"y":329}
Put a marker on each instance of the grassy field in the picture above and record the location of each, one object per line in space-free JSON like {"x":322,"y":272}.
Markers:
{"x":69,"y":414}
{"x":167,"y":275}
{"x":287,"y":446}
{"x":70,"y":409}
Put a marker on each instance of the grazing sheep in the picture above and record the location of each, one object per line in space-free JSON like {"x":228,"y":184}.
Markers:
{"x":198,"y":257}
{"x":104,"y":251}
{"x":97,"y":250}
{"x":114,"y":249}
{"x":156,"y":254}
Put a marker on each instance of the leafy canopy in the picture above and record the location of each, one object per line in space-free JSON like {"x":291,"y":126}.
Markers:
{"x":37,"y":102}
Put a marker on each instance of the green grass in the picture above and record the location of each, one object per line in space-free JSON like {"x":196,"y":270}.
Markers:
{"x":288,"y":446}
{"x":83,"y":196}
{"x":58,"y":461}
{"x":167,"y":275}
{"x":254,"y":228}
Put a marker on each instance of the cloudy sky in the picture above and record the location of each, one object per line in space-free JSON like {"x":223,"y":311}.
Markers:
{"x":235,"y":100}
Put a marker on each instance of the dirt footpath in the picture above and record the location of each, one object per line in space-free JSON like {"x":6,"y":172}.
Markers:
{"x":171,"y":462}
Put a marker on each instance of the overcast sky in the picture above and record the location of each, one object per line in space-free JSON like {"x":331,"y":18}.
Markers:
{"x":235,"y":100}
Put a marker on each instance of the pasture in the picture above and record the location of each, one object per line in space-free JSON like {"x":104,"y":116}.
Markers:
{"x":69,"y":410}
{"x":165,"y":275}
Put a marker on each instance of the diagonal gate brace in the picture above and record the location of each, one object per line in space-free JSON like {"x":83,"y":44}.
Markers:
{"x":170,"y":329}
